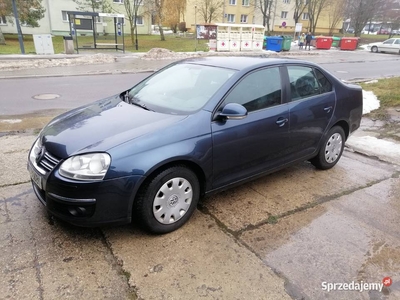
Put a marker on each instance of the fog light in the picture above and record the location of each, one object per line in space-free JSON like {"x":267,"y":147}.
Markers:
{"x":77,"y":211}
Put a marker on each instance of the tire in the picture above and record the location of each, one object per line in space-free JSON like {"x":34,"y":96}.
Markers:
{"x":168,"y":200}
{"x":331,"y":149}
{"x":374,"y":49}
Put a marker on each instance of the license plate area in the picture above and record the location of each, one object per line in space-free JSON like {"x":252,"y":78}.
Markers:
{"x":36,"y":178}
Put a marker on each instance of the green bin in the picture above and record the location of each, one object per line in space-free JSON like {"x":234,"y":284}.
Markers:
{"x":287,"y":42}
{"x":335,"y":41}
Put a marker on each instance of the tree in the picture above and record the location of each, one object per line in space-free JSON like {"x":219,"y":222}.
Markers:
{"x":29,"y":12}
{"x":266,"y":8}
{"x":299,"y":8}
{"x":132,"y":9}
{"x":156,"y":10}
{"x":314,"y":9}
{"x":389,"y":14}
{"x":361,"y":12}
{"x":2,"y":39}
{"x":159,"y":12}
{"x":209,"y":10}
{"x":174,"y":10}
{"x":336,"y":10}
{"x":93,"y":5}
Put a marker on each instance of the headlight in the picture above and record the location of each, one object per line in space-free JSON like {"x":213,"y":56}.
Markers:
{"x":91,"y":166}
{"x":34,"y":153}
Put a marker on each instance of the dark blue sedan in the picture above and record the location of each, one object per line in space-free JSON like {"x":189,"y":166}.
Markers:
{"x":195,"y":127}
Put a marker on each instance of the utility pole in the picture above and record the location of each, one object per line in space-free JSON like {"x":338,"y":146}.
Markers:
{"x":20,"y":37}
{"x":195,"y":27}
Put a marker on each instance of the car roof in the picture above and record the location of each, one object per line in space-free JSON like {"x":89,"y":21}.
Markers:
{"x":241,"y":62}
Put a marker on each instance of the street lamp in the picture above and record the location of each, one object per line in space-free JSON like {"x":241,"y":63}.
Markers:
{"x":195,"y":27}
{"x":20,"y":36}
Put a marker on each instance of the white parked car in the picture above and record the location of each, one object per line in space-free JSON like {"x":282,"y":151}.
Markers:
{"x":389,"y":46}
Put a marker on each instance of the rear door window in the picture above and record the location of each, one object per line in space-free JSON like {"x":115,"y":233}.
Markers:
{"x":303,"y":83}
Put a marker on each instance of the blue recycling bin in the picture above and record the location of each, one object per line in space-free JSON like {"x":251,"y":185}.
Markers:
{"x":273,"y":43}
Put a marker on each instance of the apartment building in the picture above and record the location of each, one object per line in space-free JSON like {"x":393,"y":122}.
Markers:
{"x":228,"y":11}
{"x":248,"y":12}
{"x":283,"y":22}
{"x":55,"y":20}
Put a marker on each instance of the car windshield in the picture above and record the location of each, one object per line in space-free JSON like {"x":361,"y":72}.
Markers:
{"x":180,"y":89}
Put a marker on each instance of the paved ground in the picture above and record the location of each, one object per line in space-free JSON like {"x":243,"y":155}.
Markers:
{"x":279,"y":237}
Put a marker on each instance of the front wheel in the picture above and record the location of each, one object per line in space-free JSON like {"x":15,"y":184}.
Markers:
{"x":168,"y":200}
{"x":331,"y":150}
{"x":374,"y":49}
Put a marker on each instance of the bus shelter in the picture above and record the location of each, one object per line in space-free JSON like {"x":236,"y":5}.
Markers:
{"x":85,"y":23}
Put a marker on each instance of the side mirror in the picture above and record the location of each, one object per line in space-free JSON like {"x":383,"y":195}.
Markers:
{"x":233,"y":111}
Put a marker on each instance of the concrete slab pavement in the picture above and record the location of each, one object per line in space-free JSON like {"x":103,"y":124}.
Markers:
{"x":284,"y":221}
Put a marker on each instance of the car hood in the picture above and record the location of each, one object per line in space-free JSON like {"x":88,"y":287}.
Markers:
{"x":101,"y":126}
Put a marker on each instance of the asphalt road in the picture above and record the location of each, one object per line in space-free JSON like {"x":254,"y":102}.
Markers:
{"x":17,"y":95}
{"x":364,"y":69}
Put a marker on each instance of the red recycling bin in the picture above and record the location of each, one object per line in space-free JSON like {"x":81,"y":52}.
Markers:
{"x":349,"y":43}
{"x":323,"y":42}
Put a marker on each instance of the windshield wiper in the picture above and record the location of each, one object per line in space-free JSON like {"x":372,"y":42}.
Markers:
{"x":128,"y":98}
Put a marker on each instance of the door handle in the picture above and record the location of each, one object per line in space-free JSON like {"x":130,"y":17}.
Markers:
{"x":281,"y":121}
{"x":328,"y":109}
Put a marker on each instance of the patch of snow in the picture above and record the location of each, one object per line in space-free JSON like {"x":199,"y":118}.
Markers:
{"x":11,"y":121}
{"x":161,"y":53}
{"x":372,"y":81}
{"x":98,"y":58}
{"x":372,"y":146}
{"x":370,"y":102}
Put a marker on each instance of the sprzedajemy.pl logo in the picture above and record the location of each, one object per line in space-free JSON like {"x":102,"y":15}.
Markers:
{"x":356,"y":286}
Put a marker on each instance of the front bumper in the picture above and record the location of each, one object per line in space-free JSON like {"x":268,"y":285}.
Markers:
{"x":87,"y":203}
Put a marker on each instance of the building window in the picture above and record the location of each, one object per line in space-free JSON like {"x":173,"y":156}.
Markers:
{"x":305,"y":16}
{"x":118,"y":1}
{"x":64,"y":16}
{"x":245,"y":2}
{"x":231,"y":18}
{"x":139,"y":20}
{"x":284,"y":14}
{"x":232,"y":2}
{"x":121,"y":21}
{"x":286,"y":1}
{"x":243,"y":19}
{"x":3,"y":20}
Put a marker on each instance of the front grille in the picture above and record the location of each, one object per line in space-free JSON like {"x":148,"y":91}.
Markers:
{"x":48,"y":161}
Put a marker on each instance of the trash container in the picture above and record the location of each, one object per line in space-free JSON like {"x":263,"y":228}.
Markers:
{"x":349,"y":43}
{"x":287,"y":42}
{"x":273,"y":43}
{"x":313,"y":41}
{"x":68,"y":45}
{"x":323,"y":42}
{"x":335,"y":41}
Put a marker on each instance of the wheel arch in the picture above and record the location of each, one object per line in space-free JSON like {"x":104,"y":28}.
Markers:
{"x":195,"y":168}
{"x":345,"y":127}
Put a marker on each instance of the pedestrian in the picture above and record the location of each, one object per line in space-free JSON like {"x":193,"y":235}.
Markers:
{"x":302,"y":39}
{"x":308,"y":40}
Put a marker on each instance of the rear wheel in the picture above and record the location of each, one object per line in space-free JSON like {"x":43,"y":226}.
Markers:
{"x":374,"y":49}
{"x":168,"y":200}
{"x":331,"y":150}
